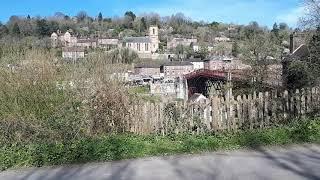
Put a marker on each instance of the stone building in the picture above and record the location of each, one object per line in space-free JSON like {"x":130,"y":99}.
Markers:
{"x":144,"y":45}
{"x":87,"y":43}
{"x":108,"y":44}
{"x":180,"y":41}
{"x":198,"y":63}
{"x":147,"y":69}
{"x":224,"y":63}
{"x":65,"y":40}
{"x":73,"y":53}
{"x":176,"y":69}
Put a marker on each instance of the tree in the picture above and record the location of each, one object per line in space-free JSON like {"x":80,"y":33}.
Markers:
{"x":235,"y":49}
{"x":28,"y":17}
{"x":275,"y":29}
{"x":203,"y":51}
{"x":3,"y":30}
{"x":314,"y":48}
{"x":100,"y":17}
{"x":42,"y":28}
{"x":143,"y":24}
{"x":260,"y":51}
{"x":15,"y":29}
{"x":312,"y":17}
{"x":81,"y":16}
{"x":131,"y":15}
{"x":283,"y":26}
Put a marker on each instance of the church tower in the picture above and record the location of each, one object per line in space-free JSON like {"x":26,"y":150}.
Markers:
{"x":154,"y":37}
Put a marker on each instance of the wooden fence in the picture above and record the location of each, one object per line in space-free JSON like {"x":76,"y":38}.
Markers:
{"x":223,"y":113}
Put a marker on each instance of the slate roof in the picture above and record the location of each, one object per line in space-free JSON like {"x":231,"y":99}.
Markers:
{"x":178,"y":63}
{"x":137,"y":40}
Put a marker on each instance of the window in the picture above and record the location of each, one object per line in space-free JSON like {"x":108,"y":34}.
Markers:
{"x":139,"y":49}
{"x":154,"y":31}
{"x":146,"y":47}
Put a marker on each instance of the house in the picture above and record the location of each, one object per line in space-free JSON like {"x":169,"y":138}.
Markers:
{"x":108,"y":44}
{"x":224,"y":63}
{"x":87,"y":43}
{"x":180,"y":41}
{"x":197,"y":63}
{"x":147,"y":69}
{"x":66,"y":40}
{"x":222,"y":39}
{"x":196,"y":47}
{"x":176,"y":69}
{"x":73,"y":53}
{"x":144,"y":45}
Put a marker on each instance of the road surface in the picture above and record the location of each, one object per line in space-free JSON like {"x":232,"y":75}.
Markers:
{"x":296,"y":162}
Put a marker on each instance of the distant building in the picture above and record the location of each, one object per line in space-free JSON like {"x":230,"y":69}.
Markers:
{"x":65,"y":40}
{"x":144,"y":45}
{"x":176,"y":69}
{"x":73,"y":53}
{"x":87,"y":43}
{"x":180,"y":41}
{"x":222,"y":39}
{"x":108,"y":44}
{"x":198,"y":63}
{"x":224,"y":63}
{"x":147,"y":69}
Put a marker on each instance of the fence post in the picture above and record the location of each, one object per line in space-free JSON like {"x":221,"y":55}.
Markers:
{"x":286,"y":107}
{"x":297,"y":102}
{"x":267,"y":108}
{"x":260,"y":110}
{"x":215,"y":105}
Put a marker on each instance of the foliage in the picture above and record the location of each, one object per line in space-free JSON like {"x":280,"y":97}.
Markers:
{"x":116,"y":147}
{"x":235,"y":49}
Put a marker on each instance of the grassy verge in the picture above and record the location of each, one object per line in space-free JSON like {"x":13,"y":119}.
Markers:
{"x":116,"y":147}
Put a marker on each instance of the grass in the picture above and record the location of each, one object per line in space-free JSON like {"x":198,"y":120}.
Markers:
{"x":117,"y":147}
{"x":139,"y":90}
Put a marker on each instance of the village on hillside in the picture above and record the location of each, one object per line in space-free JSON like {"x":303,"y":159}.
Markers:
{"x":169,"y":71}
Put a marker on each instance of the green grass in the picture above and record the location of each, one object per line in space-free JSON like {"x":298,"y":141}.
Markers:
{"x":117,"y":147}
{"x":139,"y":90}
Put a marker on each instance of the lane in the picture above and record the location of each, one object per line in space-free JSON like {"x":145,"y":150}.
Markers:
{"x":297,"y":162}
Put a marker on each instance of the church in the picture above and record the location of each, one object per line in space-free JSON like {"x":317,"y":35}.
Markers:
{"x":144,"y":46}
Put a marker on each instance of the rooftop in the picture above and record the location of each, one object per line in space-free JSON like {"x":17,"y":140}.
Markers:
{"x":73,"y":49}
{"x":145,"y":39}
{"x":178,"y":63}
{"x":194,"y":60}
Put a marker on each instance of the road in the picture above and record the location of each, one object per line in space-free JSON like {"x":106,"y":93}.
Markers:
{"x":295,"y":162}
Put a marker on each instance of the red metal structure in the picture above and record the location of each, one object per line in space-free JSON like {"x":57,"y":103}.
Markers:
{"x":198,"y":80}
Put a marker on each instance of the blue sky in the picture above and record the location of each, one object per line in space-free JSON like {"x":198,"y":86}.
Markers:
{"x":265,"y":12}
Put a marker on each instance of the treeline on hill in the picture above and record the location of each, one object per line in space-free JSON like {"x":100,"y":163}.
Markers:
{"x":130,"y":24}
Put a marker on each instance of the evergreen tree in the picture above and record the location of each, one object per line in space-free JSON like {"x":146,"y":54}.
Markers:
{"x":275,"y":29}
{"x":43,"y":28}
{"x":100,"y":17}
{"x":28,"y":17}
{"x":143,"y":24}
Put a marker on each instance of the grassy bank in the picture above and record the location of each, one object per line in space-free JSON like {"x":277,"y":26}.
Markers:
{"x":116,"y":147}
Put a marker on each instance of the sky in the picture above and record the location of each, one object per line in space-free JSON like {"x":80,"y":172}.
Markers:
{"x":265,"y":12}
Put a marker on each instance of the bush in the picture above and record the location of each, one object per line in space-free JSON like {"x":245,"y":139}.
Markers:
{"x":116,"y":147}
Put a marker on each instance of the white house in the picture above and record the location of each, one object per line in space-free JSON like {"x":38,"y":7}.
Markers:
{"x":198,"y":63}
{"x":73,"y":53}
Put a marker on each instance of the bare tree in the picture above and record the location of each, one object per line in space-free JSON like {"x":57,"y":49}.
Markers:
{"x":311,"y":18}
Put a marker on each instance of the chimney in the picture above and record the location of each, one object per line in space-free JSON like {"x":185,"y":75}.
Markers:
{"x":291,"y":43}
